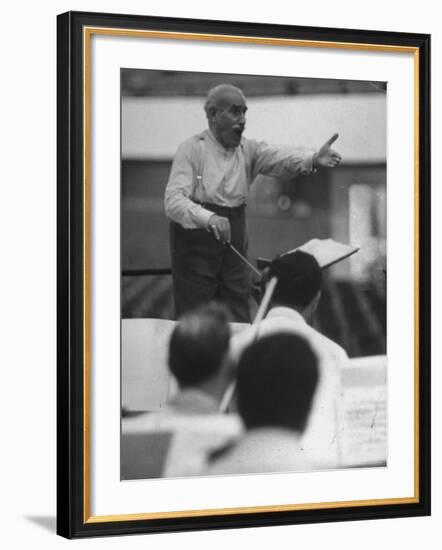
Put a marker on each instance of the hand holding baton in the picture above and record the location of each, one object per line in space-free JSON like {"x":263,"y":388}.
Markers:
{"x":220,"y":227}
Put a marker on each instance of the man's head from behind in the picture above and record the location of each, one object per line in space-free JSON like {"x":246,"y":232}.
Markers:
{"x":199,"y":344}
{"x":277,"y":379}
{"x":226,"y":108}
{"x":299,"y":281}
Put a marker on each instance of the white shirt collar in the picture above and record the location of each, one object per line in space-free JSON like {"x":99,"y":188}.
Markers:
{"x":286,"y":312}
{"x":194,"y":401}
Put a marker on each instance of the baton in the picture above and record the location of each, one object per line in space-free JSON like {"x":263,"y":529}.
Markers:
{"x":237,"y":252}
{"x":244,"y":259}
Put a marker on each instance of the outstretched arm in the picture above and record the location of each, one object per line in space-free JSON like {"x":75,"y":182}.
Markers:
{"x":283,"y":161}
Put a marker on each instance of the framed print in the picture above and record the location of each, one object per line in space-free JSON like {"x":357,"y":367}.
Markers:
{"x":243,"y":274}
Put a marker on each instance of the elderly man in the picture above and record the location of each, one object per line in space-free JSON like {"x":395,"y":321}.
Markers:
{"x":206,"y":196}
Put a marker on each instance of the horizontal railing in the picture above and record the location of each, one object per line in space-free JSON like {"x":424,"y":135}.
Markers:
{"x":141,"y":272}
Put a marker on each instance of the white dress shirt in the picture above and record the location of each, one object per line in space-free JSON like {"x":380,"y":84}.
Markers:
{"x":263,"y":450}
{"x":190,"y":428}
{"x":321,"y":438}
{"x":203,"y":171}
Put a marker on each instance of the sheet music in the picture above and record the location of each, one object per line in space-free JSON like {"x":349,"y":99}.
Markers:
{"x":363,"y":438}
{"x":328,"y":251}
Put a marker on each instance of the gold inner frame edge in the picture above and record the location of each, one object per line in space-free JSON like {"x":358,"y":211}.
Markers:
{"x":87,"y":33}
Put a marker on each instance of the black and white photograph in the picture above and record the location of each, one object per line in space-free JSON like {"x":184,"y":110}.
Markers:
{"x":151,"y":399}
{"x":253,"y":274}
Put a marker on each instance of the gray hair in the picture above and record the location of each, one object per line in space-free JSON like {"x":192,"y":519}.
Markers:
{"x":217,"y":92}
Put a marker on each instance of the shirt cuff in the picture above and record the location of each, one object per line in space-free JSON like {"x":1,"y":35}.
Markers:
{"x":202,"y":217}
{"x":307,"y":164}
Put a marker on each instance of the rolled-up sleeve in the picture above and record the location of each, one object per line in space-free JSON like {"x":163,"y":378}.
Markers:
{"x":178,"y":203}
{"x":280,"y":161}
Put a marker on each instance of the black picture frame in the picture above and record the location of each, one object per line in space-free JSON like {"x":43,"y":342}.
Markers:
{"x":73,"y":518}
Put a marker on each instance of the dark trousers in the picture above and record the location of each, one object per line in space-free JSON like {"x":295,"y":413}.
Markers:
{"x":204,"y":269}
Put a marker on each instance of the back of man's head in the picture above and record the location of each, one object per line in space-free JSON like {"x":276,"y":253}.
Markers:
{"x":299,"y":279}
{"x":277,"y":378}
{"x":199,"y":344}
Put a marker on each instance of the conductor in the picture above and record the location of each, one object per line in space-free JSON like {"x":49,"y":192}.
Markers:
{"x":206,"y":196}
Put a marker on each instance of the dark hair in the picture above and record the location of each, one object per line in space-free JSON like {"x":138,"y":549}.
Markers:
{"x":299,"y":279}
{"x":277,"y":378}
{"x":199,"y":344}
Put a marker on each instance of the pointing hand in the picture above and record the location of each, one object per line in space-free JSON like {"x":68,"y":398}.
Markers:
{"x":326,"y":157}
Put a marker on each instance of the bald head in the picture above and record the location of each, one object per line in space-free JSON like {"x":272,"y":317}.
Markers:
{"x":226,"y":108}
{"x":220,"y":95}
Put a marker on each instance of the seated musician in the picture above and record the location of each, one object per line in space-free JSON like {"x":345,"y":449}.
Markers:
{"x":277,"y":380}
{"x":176,"y":441}
{"x":292,"y":308}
